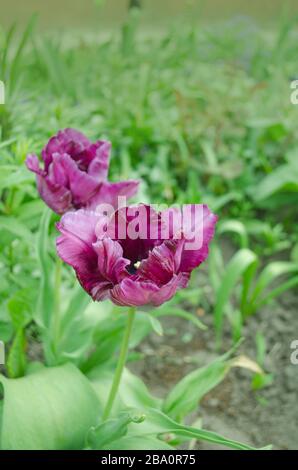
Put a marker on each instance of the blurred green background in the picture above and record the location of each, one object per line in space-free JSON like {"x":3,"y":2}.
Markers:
{"x":60,"y":14}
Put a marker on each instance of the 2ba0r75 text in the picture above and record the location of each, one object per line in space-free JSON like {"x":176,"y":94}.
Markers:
{"x":170,"y":459}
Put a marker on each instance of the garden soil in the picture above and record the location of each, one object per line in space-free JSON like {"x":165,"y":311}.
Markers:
{"x":258,"y":418}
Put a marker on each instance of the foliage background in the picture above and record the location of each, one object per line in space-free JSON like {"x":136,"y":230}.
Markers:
{"x":200,"y":110}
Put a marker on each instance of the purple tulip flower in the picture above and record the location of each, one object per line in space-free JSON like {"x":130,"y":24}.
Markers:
{"x":133,"y":271}
{"x":75,"y":173}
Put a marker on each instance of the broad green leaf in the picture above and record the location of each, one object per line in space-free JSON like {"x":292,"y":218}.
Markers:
{"x":139,"y":443}
{"x":51,"y":409}
{"x":132,"y":391}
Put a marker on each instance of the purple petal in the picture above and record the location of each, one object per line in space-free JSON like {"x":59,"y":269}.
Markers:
{"x":32,"y":164}
{"x":191,"y":258}
{"x":111,"y":264}
{"x":99,"y":156}
{"x":68,"y":141}
{"x":133,"y":293}
{"x":57,"y":197}
{"x":81,"y":224}
{"x":167,"y":291}
{"x":99,"y":291}
{"x":56,"y":171}
{"x":108,"y":193}
{"x":81,"y":185}
{"x":162,"y":263}
{"x":75,"y":247}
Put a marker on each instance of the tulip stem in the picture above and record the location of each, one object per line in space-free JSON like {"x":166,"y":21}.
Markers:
{"x":121,"y":363}
{"x":57,"y":300}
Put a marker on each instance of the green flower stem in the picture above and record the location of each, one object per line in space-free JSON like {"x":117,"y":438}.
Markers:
{"x":121,"y":363}
{"x":57,"y":302}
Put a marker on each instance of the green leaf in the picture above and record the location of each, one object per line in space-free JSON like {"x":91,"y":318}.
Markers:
{"x":75,"y":329}
{"x":186,"y":394}
{"x":157,"y":423}
{"x":139,"y":443}
{"x":290,"y":284}
{"x":269,"y":274}
{"x":7,"y":42}
{"x":237,"y":227}
{"x":23,"y":41}
{"x":45,"y":303}
{"x":16,"y":361}
{"x":101,"y":436}
{"x":6,"y":331}
{"x":30,"y":210}
{"x":216,"y":267}
{"x":13,"y":177}
{"x":235,"y":269}
{"x":20,"y":309}
{"x":284,"y":178}
{"x":132,"y":391}
{"x":156,"y":325}
{"x":51,"y":59}
{"x":51,"y":409}
{"x":261,"y":381}
{"x":108,"y":334}
{"x":16,"y":228}
{"x":179,"y":312}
